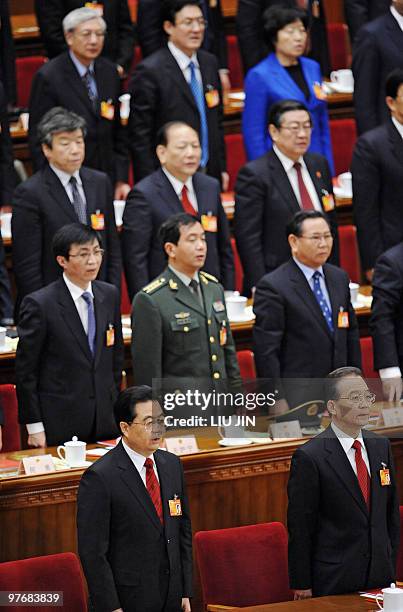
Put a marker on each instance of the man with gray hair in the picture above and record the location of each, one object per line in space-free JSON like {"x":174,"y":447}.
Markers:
{"x":82,"y":81}
{"x":62,"y":192}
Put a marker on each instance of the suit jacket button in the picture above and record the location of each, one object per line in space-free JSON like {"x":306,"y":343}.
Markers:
{"x":209,"y":321}
{"x":185,"y":329}
{"x":216,"y":375}
{"x":214,"y":357}
{"x":212,"y":339}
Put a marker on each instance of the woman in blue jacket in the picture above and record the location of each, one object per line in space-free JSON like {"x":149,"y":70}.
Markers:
{"x":284,"y":74}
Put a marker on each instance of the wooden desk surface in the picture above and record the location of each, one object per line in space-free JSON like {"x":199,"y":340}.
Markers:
{"x":24,"y":26}
{"x":335,"y":603}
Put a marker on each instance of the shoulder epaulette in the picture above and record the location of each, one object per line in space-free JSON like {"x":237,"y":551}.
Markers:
{"x":209,"y":276}
{"x":154,"y":285}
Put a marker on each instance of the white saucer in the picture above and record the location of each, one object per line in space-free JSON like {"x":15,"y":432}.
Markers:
{"x":248,"y":315}
{"x":357,"y":305}
{"x":311,"y":431}
{"x":81,"y":465}
{"x":339,"y":88}
{"x":234,"y":441}
{"x":340,"y":193}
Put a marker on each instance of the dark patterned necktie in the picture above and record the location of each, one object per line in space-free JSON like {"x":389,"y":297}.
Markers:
{"x":78,"y":202}
{"x":87,"y":297}
{"x":89,"y":80}
{"x":362,"y":472}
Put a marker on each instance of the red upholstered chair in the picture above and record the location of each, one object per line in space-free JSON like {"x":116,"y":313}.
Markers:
{"x":25,"y":68}
{"x":125,"y":305}
{"x":61,"y":572}
{"x":343,"y":134}
{"x":243,"y":566}
{"x":11,"y":429}
{"x":339,"y":45}
{"x":234,"y":62}
{"x":238,"y":267}
{"x":246,"y":361}
{"x":367,"y":358}
{"x":349,"y":256}
{"x":236,"y":157}
{"x":399,"y":568}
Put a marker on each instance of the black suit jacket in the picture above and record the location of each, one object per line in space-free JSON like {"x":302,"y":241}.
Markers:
{"x":335,"y":544}
{"x":291,"y":338}
{"x":359,"y":12}
{"x":7,"y":54}
{"x":148,"y":205}
{"x":41,"y":206}
{"x":386,"y":321}
{"x":249,"y":24}
{"x":127,"y":555}
{"x":119,"y":40}
{"x":152,"y":37}
{"x":58,"y":83}
{"x":58,"y":380}
{"x":377,"y":51}
{"x":378,"y":191}
{"x":7,"y":173}
{"x":264,"y":203}
{"x":160,"y":93}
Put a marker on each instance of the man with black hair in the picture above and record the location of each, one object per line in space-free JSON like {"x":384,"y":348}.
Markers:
{"x":343,"y":504}
{"x":70,"y":351}
{"x":178,"y":83}
{"x":134,"y":532}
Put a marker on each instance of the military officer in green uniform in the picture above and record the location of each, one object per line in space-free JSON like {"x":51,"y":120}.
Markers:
{"x":180,"y":324}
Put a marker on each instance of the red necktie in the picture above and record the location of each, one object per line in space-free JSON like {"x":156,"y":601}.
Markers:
{"x":362,"y":472}
{"x":306,"y":202}
{"x":153,"y":487}
{"x":186,"y":203}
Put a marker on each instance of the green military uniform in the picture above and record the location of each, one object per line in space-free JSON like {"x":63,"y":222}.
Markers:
{"x":175,"y":336}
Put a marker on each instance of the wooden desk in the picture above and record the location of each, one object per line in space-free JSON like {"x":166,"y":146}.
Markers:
{"x":24,"y":26}
{"x":335,"y":603}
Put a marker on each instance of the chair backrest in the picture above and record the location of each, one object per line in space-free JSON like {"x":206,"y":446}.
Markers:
{"x":367,"y":358}
{"x":243,"y":566}
{"x":399,"y":568}
{"x":125,"y":305}
{"x":61,"y":572}
{"x":246,"y":361}
{"x":234,"y":62}
{"x":343,"y":134}
{"x":238,"y":267}
{"x":11,"y":429}
{"x":349,"y":256}
{"x":236,"y":157}
{"x":339,"y":45}
{"x":25,"y":68}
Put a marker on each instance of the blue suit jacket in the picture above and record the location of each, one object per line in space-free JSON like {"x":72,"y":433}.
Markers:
{"x":269,"y":82}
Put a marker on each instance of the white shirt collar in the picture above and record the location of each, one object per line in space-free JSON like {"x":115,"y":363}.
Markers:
{"x":177,"y":184}
{"x":81,"y":69}
{"x":183,"y":277}
{"x":398,"y":126}
{"x":306,"y":270}
{"x":182,"y":59}
{"x":345,"y":440}
{"x":65,"y":177}
{"x":137,"y":459}
{"x":76,"y":291}
{"x":286,"y":161}
{"x":397,"y":16}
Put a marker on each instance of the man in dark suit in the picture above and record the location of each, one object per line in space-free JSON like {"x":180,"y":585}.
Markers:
{"x":62,"y":192}
{"x":119,"y":39}
{"x":343,"y":504}
{"x":376,"y":52}
{"x":81,"y":81}
{"x":134,"y":531}
{"x":178,"y":83}
{"x":305,"y":324}
{"x":359,"y":12}
{"x":175,"y":187}
{"x":269,"y":190}
{"x":377,"y":180}
{"x":70,"y":350}
{"x":249,"y":23}
{"x":151,"y":36}
{"x":386,"y":321}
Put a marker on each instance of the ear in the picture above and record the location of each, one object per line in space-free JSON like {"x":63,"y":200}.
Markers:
{"x":170,"y":249}
{"x":168,"y":27}
{"x":390,"y":102}
{"x":46,"y":150}
{"x":62,"y":261}
{"x":69,"y":38}
{"x":293,"y":241}
{"x":331,"y":407}
{"x":161,"y":153}
{"x":273,"y":131}
{"x":123,"y":426}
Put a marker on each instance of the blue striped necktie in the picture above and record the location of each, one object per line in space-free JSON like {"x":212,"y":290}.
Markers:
{"x":87,"y":297}
{"x":320,"y":298}
{"x":197,"y":92}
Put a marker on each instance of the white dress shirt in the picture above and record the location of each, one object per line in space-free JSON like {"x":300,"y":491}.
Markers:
{"x":288,"y":165}
{"x":398,"y":126}
{"x":178,"y":186}
{"x":397,"y":16}
{"x":183,"y":62}
{"x":138,"y":460}
{"x":347,"y":442}
{"x":64,"y":178}
{"x":308,"y":273}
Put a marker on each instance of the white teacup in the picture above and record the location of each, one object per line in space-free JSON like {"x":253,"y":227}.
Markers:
{"x":392,"y":599}
{"x":24,"y":121}
{"x":354,"y":287}
{"x":6,"y":225}
{"x":3,"y":331}
{"x":124,"y":108}
{"x":344,"y":78}
{"x":119,"y":206}
{"x":236,"y":305}
{"x":231,"y":429}
{"x":346,"y":182}
{"x":73,"y":452}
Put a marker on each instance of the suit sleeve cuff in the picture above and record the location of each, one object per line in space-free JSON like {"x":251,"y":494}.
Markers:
{"x":392,"y":372}
{"x":34,"y":428}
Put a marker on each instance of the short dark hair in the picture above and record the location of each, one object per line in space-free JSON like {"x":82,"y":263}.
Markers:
{"x":333,"y":378}
{"x":278,"y":109}
{"x":277,"y":17}
{"x":56,"y":120}
{"x":171,"y":7}
{"x":170,"y":229}
{"x":125,"y":405}
{"x":163,"y":132}
{"x":393,"y":82}
{"x":73,"y":233}
{"x":295,"y":225}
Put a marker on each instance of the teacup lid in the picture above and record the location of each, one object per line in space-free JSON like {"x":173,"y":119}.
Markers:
{"x":74,"y":442}
{"x":392,"y":589}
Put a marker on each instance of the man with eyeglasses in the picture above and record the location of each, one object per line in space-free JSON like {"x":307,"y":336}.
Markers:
{"x":269,"y":190}
{"x":70,"y":351}
{"x":134,"y":531}
{"x":343,"y":505}
{"x":179,"y":82}
{"x":89,"y":85}
{"x":305,"y":323}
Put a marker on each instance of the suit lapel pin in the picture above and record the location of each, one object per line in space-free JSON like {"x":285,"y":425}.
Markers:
{"x":173,"y":285}
{"x":318,"y":174}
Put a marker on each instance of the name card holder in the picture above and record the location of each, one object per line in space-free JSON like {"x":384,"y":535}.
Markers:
{"x":186,"y":445}
{"x":287,"y":429}
{"x":39,"y":464}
